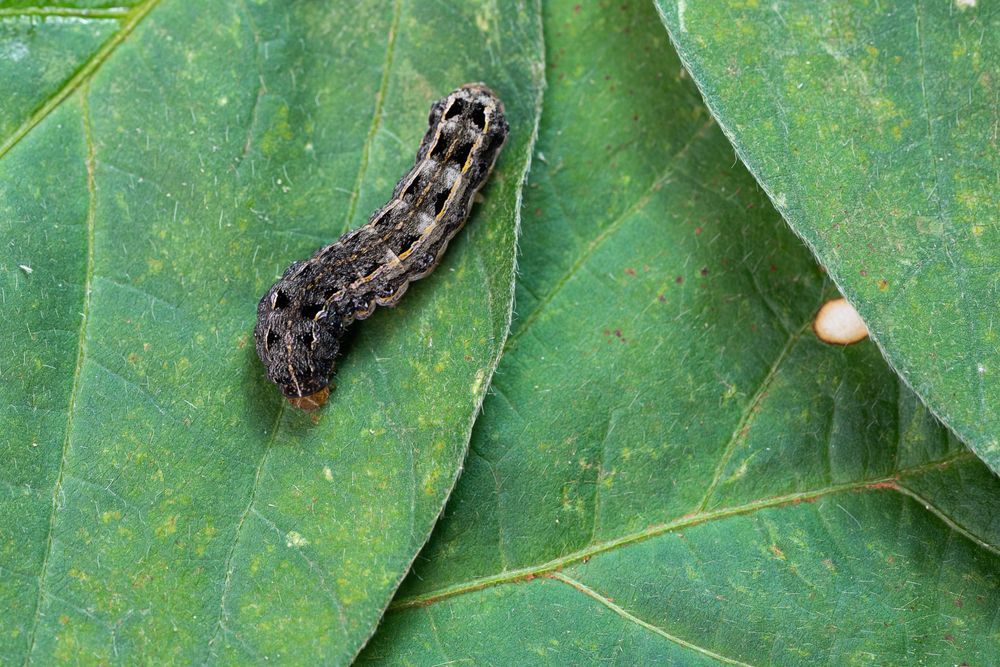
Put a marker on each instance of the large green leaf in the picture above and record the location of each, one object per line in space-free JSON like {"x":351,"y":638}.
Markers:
{"x":158,"y":502}
{"x":873,"y":127}
{"x":670,"y":466}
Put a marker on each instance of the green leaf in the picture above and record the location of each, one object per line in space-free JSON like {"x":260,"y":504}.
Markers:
{"x":670,"y":465}
{"x":47,"y":50}
{"x":873,"y":127}
{"x":158,"y":501}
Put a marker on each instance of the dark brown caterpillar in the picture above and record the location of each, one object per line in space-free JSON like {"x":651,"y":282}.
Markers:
{"x":303,"y":317}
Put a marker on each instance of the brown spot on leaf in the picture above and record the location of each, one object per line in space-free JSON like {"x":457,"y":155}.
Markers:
{"x":882,"y":485}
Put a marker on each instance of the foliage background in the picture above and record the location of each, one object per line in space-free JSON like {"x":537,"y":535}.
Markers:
{"x":668,"y":465}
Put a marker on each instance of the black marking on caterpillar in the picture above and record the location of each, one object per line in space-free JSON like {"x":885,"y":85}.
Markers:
{"x":303,"y":317}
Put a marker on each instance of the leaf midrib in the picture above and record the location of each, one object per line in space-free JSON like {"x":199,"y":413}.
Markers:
{"x":891,"y":482}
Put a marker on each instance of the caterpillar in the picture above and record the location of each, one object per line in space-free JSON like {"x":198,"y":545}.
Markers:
{"x":303,"y":317}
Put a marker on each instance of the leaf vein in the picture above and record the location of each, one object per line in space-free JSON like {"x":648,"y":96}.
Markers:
{"x":81,"y":352}
{"x":376,"y":116}
{"x":228,"y":567}
{"x":742,"y":426}
{"x":82,"y":75}
{"x":532,"y":571}
{"x":591,"y":593}
{"x":599,"y":240}
{"x":69,"y":12}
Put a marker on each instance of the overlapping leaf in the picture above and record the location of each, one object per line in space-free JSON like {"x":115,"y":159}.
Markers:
{"x":158,"y":502}
{"x":671,"y":467}
{"x":873,"y":128}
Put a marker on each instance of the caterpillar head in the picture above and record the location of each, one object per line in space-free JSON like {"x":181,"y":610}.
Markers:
{"x":296,"y":342}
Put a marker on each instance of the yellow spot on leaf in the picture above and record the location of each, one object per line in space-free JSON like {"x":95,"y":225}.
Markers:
{"x":429,"y":481}
{"x":477,"y":383}
{"x":168,"y":527}
{"x":294,"y":539}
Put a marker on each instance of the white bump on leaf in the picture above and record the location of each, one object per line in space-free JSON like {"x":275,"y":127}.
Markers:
{"x":837,"y":322}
